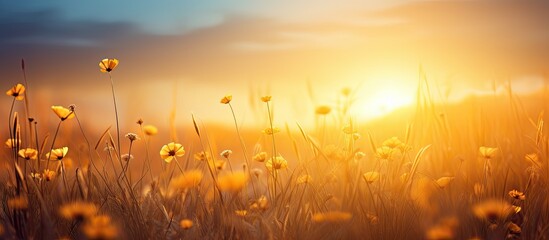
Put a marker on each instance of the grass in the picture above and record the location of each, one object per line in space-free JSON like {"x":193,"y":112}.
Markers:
{"x":478,"y":173}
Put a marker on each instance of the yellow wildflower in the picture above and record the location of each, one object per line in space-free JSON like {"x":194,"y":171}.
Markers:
{"x":332,"y":216}
{"x":276,"y":163}
{"x":241,"y":213}
{"x":100,"y":227}
{"x":488,"y":152}
{"x":11,"y":143}
{"x":28,"y":153}
{"x":217,"y":164}
{"x":266,"y":98}
{"x":78,"y":210}
{"x":19,"y":203}
{"x":346,"y":91}
{"x":260,"y":157}
{"x":384,"y":152}
{"x":514,"y":228}
{"x":517,"y":195}
{"x":393,"y":142}
{"x":254,"y":207}
{"x":444,"y":181}
{"x":36,"y":176}
{"x":349,"y":129}
{"x":171,"y":150}
{"x":226,"y":153}
{"x":226,"y":99}
{"x":48,"y":175}
{"x":493,"y":210}
{"x":150,"y":130}
{"x":371,"y":177}
{"x":188,"y":179}
{"x":108,"y":64}
{"x":232,"y":182}
{"x":186,"y":223}
{"x":262,"y":203}
{"x":323,"y":110}
{"x":304,"y":179}
{"x":201,"y":156}
{"x":439,"y":232}
{"x":17,"y":92}
{"x":445,"y":229}
{"x":57,"y":154}
{"x":62,"y":113}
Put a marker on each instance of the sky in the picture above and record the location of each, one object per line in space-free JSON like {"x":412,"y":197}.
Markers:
{"x":189,"y":54}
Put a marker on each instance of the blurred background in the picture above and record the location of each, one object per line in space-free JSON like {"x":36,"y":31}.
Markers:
{"x":182,"y":57}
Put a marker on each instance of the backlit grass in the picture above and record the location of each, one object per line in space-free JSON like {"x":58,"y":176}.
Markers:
{"x":464,"y":174}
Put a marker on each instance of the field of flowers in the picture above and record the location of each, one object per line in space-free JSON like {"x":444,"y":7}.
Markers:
{"x":467,"y":173}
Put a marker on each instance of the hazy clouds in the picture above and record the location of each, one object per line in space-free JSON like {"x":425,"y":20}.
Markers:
{"x":257,"y":46}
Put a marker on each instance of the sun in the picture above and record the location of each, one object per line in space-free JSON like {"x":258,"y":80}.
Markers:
{"x":382,"y":90}
{"x":383,"y":100}
{"x":388,"y":100}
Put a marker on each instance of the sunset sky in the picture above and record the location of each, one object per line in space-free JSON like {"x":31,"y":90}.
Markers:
{"x":199,"y":51}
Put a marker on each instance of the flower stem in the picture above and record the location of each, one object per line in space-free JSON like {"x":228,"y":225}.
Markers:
{"x":243,"y":147}
{"x":275,"y":173}
{"x":116,"y":116}
{"x":53,"y":142}
{"x":12,"y":137}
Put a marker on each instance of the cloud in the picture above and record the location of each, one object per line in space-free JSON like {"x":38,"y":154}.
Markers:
{"x":464,"y":37}
{"x":496,"y":25}
{"x":464,"y":34}
{"x":475,"y":42}
{"x":48,"y":27}
{"x":287,"y":40}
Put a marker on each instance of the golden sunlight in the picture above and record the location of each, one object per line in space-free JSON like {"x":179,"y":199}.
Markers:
{"x":386,"y":101}
{"x":388,"y":95}
{"x":281,"y":119}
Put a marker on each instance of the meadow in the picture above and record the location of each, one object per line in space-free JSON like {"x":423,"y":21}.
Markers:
{"x":436,"y":170}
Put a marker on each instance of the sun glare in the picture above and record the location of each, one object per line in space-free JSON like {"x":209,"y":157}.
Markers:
{"x":386,"y":101}
{"x":383,"y":99}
